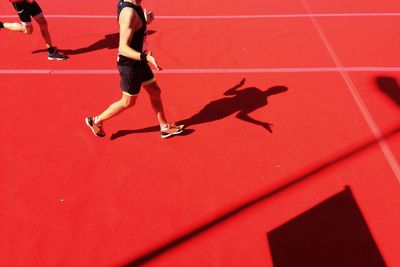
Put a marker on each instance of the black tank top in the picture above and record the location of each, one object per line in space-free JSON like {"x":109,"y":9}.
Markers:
{"x":138,"y":36}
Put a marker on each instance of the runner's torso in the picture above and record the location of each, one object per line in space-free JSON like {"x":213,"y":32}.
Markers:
{"x":139,"y":35}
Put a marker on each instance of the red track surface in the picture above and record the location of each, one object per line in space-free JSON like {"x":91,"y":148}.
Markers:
{"x":214,"y":196}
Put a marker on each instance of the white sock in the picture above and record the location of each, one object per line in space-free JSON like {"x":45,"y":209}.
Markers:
{"x":164,"y":127}
{"x":96,"y":120}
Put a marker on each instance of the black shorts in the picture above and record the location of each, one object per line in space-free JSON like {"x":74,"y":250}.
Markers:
{"x":134,"y":76}
{"x":26,"y":11}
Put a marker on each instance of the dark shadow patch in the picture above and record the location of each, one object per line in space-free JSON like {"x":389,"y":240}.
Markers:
{"x":390,"y":87}
{"x":333,"y":233}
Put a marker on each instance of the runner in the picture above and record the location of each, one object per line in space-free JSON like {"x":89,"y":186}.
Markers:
{"x":27,"y":9}
{"x":135,"y":72}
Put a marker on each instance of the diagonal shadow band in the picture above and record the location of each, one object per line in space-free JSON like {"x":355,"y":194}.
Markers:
{"x":147,"y":257}
{"x":240,"y":101}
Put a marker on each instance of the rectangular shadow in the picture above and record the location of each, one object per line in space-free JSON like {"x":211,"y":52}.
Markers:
{"x":333,"y":233}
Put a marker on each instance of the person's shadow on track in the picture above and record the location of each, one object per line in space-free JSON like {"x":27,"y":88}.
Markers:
{"x":244,"y":101}
{"x":110,"y":41}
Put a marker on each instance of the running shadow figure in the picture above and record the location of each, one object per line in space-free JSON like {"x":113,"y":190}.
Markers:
{"x":243,"y":101}
{"x":110,"y":41}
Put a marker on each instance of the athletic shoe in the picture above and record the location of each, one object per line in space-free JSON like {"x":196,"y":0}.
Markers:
{"x":97,"y":129}
{"x":172,"y":130}
{"x":57,"y":56}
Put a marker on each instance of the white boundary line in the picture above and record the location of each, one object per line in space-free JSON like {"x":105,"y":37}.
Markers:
{"x":264,"y":16}
{"x":357,"y":97}
{"x":340,"y":70}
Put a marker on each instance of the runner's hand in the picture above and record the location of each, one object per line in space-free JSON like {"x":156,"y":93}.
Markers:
{"x":149,"y":16}
{"x":152,"y":61}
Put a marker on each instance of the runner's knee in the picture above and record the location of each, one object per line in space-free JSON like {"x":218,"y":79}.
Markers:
{"x":153,"y":89}
{"x":42,"y":22}
{"x":127,"y":102}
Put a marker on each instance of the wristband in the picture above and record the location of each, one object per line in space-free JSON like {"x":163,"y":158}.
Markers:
{"x":143,"y":57}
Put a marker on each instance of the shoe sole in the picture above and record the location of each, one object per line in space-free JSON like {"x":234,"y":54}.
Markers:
{"x":58,"y":59}
{"x":175,"y":133}
{"x":91,"y":128}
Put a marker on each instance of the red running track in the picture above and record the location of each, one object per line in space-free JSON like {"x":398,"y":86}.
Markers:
{"x":312,"y":180}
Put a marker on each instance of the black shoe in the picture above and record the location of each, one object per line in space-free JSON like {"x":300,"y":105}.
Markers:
{"x":57,"y":56}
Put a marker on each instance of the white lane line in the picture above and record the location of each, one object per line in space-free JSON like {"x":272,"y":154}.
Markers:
{"x":262,"y":16}
{"x":357,"y":97}
{"x":207,"y":71}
